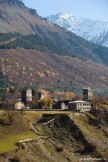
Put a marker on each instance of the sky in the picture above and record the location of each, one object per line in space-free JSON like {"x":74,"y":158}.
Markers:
{"x":94,"y":9}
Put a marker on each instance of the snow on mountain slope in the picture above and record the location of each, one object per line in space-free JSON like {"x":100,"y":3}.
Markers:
{"x":93,"y":30}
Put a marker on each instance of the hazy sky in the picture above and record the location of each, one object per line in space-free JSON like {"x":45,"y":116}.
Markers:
{"x":96,"y":9}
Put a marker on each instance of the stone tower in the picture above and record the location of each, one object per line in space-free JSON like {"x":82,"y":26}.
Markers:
{"x":26,"y":96}
{"x":87,"y":94}
{"x":40,"y":96}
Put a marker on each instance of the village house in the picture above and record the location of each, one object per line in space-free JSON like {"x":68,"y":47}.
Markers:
{"x":62,"y":105}
{"x":80,"y":106}
{"x":19,"y":105}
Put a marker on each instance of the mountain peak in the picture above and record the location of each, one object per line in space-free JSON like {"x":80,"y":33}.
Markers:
{"x":64,"y":20}
{"x":17,"y":3}
{"x":95,"y":31}
{"x":67,"y":15}
{"x":61,"y":15}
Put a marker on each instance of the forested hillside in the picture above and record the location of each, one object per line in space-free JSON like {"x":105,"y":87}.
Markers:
{"x":67,"y":44}
{"x":42,"y":54}
{"x":47,"y":70}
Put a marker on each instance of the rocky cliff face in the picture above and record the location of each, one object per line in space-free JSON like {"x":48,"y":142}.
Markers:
{"x":17,"y":3}
{"x":66,"y":137}
{"x":16,"y":17}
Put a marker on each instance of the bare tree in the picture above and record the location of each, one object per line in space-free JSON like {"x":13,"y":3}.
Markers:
{"x":10,"y":111}
{"x":9,"y":107}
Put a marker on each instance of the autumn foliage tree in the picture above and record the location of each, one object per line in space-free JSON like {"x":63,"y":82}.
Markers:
{"x":44,"y":92}
{"x":61,"y":95}
{"x":99,"y":102}
{"x":46,"y":103}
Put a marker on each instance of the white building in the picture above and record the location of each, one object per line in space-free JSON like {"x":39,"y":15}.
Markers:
{"x":79,"y":106}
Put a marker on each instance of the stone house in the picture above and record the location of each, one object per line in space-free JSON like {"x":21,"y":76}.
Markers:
{"x":19,"y":105}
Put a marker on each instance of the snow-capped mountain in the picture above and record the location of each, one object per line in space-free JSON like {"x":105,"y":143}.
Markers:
{"x":92,"y":30}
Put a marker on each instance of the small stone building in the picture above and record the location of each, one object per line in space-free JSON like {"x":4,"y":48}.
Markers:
{"x":80,"y":106}
{"x":63,"y":105}
{"x":19,"y":105}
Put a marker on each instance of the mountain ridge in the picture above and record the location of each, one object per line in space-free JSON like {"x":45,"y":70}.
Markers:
{"x":16,"y":3}
{"x":95,"y":31}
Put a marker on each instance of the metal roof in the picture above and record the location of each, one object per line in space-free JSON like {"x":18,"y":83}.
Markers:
{"x":78,"y":101}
